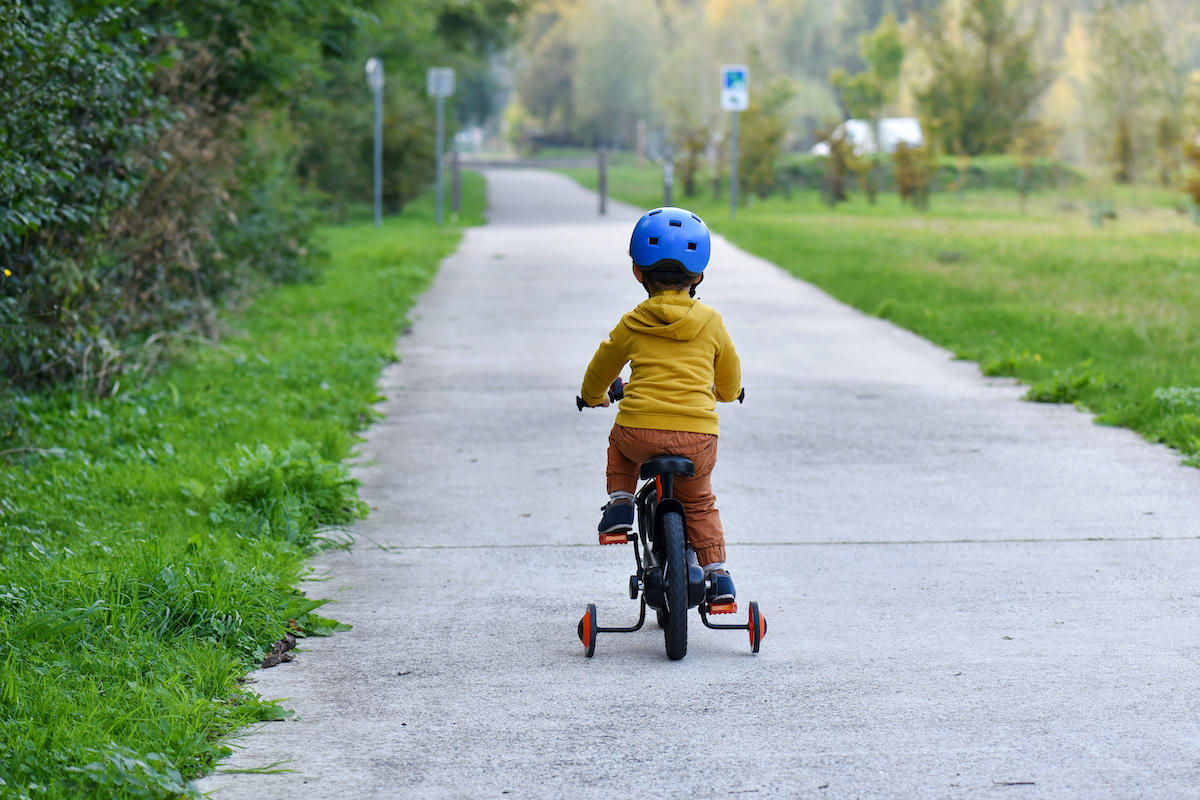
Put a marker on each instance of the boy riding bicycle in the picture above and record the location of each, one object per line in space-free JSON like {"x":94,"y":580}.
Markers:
{"x":683,"y":362}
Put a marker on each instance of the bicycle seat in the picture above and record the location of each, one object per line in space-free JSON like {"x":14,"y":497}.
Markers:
{"x":663,"y":465}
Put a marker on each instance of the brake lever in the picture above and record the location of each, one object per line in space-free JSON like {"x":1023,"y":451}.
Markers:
{"x":616,"y":392}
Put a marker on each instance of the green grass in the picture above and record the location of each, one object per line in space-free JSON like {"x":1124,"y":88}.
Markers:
{"x":1102,"y":317}
{"x":152,"y":544}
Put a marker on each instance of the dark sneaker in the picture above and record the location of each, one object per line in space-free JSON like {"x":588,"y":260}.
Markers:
{"x":720,"y":588}
{"x":618,"y":517}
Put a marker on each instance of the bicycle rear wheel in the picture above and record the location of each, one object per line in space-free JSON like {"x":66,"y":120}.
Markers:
{"x":675,"y":572}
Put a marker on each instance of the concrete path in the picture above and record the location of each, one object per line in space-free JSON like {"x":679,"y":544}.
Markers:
{"x":968,"y":595}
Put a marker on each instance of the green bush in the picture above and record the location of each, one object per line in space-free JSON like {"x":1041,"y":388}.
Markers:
{"x":135,"y":186}
{"x":151,"y":157}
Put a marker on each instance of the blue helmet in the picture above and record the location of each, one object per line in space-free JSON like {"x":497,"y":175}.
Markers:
{"x":672,"y":235}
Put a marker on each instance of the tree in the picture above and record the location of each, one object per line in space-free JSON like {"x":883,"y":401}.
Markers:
{"x":545,"y":86}
{"x":615,"y":59}
{"x":1031,"y":143}
{"x":840,"y":162}
{"x":982,"y":82}
{"x":915,"y":168}
{"x":684,"y":91}
{"x":1139,"y":87}
{"x":864,"y":95}
{"x":761,"y":133}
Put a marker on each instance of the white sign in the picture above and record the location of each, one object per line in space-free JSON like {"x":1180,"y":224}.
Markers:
{"x":439,"y":81}
{"x":374,"y":74}
{"x":735,"y":87}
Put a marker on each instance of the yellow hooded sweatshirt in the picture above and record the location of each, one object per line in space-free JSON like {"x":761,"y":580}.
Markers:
{"x":683,"y":363}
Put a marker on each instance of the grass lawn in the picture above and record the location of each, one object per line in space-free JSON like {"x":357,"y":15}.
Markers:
{"x":152,"y":542}
{"x":1102,"y":317}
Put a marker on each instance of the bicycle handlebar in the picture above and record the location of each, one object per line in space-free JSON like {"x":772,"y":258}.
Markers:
{"x":617,"y":391}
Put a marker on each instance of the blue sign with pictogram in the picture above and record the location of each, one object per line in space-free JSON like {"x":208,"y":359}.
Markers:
{"x":735,"y":87}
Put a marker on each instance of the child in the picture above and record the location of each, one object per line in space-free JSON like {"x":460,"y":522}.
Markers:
{"x":683,"y":362}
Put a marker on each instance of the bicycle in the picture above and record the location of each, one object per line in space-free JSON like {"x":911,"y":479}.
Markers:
{"x":668,"y":578}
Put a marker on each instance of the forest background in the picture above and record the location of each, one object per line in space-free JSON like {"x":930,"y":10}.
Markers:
{"x":1111,"y":87}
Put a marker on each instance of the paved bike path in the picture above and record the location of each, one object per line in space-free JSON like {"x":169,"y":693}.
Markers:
{"x":967,"y":594}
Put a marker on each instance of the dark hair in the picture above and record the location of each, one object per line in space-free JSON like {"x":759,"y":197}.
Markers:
{"x":667,"y":275}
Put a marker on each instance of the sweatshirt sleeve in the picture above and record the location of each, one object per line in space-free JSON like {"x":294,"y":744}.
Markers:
{"x":611,"y":357}
{"x":727,"y":368}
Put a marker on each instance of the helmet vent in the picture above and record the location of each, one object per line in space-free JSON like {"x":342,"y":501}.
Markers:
{"x":655,"y":211}
{"x":691,"y":245}
{"x":676,"y":223}
{"x":653,"y":240}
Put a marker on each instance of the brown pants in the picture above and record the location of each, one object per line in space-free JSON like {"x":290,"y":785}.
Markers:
{"x":628,"y":448}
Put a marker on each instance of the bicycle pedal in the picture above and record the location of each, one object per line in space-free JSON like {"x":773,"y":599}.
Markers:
{"x":722,"y":608}
{"x":616,"y":537}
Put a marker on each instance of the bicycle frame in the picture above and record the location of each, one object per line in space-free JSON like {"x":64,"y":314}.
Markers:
{"x":656,"y":495}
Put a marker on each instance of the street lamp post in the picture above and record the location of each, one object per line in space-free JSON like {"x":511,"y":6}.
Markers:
{"x":375,"y":81}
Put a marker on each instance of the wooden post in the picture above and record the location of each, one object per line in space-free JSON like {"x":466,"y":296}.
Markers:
{"x":668,"y":175}
{"x":602,"y":159}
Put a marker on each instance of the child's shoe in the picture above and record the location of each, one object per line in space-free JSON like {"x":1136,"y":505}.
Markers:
{"x":617,"y":519}
{"x":720,"y":588}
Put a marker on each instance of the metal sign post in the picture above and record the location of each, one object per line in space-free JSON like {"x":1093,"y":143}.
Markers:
{"x":375,"y":82}
{"x":439,"y":83}
{"x":735,"y":97}
{"x":733,"y":165}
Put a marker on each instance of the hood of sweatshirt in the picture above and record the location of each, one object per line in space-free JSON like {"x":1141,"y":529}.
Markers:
{"x":671,"y":315}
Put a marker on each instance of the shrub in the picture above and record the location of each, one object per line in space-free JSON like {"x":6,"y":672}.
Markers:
{"x":915,"y":169}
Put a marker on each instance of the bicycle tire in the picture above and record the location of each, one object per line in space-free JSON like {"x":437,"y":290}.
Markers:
{"x":676,"y":573}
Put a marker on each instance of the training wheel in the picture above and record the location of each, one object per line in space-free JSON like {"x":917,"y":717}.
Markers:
{"x":587,"y":630}
{"x":757,"y":627}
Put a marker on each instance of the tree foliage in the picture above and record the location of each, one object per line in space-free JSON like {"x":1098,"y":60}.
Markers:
{"x":761,"y":138}
{"x":865,"y":94}
{"x":615,"y":63}
{"x":408,"y":37}
{"x":915,"y":170}
{"x":1139,"y":87}
{"x":983,"y":80}
{"x":151,"y":155}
